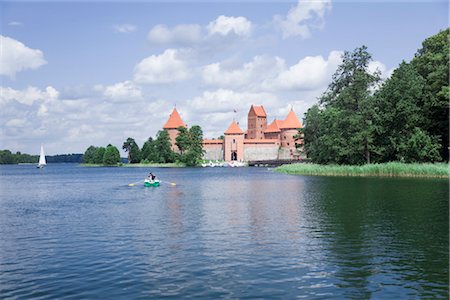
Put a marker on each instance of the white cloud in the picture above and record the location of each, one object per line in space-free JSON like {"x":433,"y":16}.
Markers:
{"x":16,"y":57}
{"x":125,"y":90}
{"x":164,"y":68}
{"x":125,"y":28}
{"x":180,"y":34}
{"x":224,"y":25}
{"x":375,"y":66}
{"x":28,"y":96}
{"x":225,"y":100}
{"x":265,"y":73}
{"x":301,"y":19}
{"x":247,"y":76}
{"x":15,"y":23}
{"x":218,"y":34}
{"x":311,"y":72}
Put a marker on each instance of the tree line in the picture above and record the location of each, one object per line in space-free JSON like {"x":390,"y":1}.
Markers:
{"x":360,"y":119}
{"x":7,"y":157}
{"x":155,"y":150}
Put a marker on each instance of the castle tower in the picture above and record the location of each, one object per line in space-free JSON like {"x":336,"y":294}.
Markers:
{"x":289,"y":128}
{"x":171,"y":127}
{"x":257,"y":122}
{"x":234,"y":143}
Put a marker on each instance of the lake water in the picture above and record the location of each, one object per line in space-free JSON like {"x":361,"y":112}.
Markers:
{"x":69,"y":232}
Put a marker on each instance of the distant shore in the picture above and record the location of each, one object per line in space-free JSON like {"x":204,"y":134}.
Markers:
{"x":150,"y":165}
{"x":392,"y":169}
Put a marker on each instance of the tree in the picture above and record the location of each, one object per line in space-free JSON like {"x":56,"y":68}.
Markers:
{"x":342,"y":131}
{"x":149,"y":152}
{"x":89,"y":155}
{"x":98,"y":156}
{"x":398,"y":117}
{"x":134,"y":153}
{"x":195,"y":150}
{"x":432,"y":63}
{"x":111,"y":155}
{"x":183,"y":139}
{"x":163,"y":147}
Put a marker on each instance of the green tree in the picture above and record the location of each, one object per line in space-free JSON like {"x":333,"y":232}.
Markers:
{"x":134,"y":153}
{"x":183,"y":139}
{"x":89,"y":155}
{"x":6,"y":157}
{"x":98,"y":156}
{"x":111,"y":155}
{"x":149,"y":151}
{"x":195,"y":150}
{"x":399,"y":116}
{"x":342,"y":131}
{"x":163,"y":147}
{"x":432,"y":63}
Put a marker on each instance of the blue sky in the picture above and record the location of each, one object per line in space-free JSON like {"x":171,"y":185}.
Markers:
{"x":76,"y":74}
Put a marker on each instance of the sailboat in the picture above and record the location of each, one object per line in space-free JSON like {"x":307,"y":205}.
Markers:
{"x":42,"y":161}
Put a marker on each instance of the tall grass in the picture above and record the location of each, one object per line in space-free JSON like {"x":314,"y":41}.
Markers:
{"x":391,"y":169}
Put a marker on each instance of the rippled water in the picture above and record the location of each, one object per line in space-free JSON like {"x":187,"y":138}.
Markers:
{"x":73,"y":232}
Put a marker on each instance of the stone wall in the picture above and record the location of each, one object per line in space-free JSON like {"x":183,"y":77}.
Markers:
{"x":260,"y":152}
{"x":213,"y":151}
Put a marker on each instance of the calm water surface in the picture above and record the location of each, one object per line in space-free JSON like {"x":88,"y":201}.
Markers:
{"x":69,"y":232}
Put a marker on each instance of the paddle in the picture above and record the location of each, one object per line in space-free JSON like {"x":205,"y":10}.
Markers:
{"x":133,"y":184}
{"x":171,"y":183}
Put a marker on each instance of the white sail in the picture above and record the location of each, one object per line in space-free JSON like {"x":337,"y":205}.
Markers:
{"x":42,"y":158}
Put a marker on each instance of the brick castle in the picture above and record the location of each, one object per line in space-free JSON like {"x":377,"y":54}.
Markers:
{"x":260,"y":142}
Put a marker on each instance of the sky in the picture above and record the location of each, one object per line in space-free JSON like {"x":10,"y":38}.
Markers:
{"x":75,"y":74}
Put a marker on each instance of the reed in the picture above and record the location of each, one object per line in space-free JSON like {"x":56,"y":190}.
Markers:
{"x":391,"y":169}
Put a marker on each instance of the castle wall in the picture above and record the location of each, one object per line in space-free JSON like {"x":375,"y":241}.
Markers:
{"x":260,"y":150}
{"x":173,"y":133}
{"x":213,"y":150}
{"x":234,"y":143}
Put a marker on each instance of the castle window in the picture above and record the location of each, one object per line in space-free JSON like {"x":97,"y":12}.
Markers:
{"x":234,"y":141}
{"x":288,"y":144}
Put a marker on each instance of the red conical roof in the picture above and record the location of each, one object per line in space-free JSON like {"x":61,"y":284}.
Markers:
{"x":291,"y":121}
{"x":234,"y":129}
{"x":174,"y":120}
{"x":259,"y":110}
{"x":274,"y":126}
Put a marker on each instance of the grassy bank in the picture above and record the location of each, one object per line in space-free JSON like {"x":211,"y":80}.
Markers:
{"x":155,"y":165}
{"x":392,"y":169}
{"x":150,"y":165}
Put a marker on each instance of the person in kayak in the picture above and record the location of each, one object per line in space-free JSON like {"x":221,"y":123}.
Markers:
{"x":151,"y":176}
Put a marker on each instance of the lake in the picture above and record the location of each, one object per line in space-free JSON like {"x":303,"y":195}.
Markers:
{"x":71,"y":232}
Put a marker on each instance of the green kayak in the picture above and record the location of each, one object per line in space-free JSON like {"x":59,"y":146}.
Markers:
{"x":148,"y":183}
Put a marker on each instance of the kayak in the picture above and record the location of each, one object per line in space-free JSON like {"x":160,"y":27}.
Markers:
{"x":148,"y":182}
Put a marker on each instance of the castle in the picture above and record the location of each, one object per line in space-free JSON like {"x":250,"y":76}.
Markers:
{"x":260,"y":141}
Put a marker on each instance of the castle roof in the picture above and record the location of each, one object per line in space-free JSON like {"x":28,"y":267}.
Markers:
{"x":259,"y":110}
{"x":234,"y":129}
{"x":291,"y":121}
{"x":274,"y":126}
{"x":174,"y":120}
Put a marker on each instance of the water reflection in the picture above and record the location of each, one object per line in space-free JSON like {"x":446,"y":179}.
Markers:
{"x":383,"y":235}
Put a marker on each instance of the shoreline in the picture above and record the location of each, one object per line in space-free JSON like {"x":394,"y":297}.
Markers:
{"x":152,"y":165}
{"x":391,"y":169}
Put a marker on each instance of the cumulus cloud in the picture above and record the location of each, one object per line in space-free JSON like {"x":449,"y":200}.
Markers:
{"x":184,"y":34}
{"x":16,"y":57}
{"x":265,"y":73}
{"x":28,"y":96}
{"x":221,"y":32}
{"x":301,"y":19}
{"x":164,"y":68}
{"x":126,"y":90}
{"x":125,"y":28}
{"x":224,"y":25}
{"x":311,"y":72}
{"x":246,"y":76}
